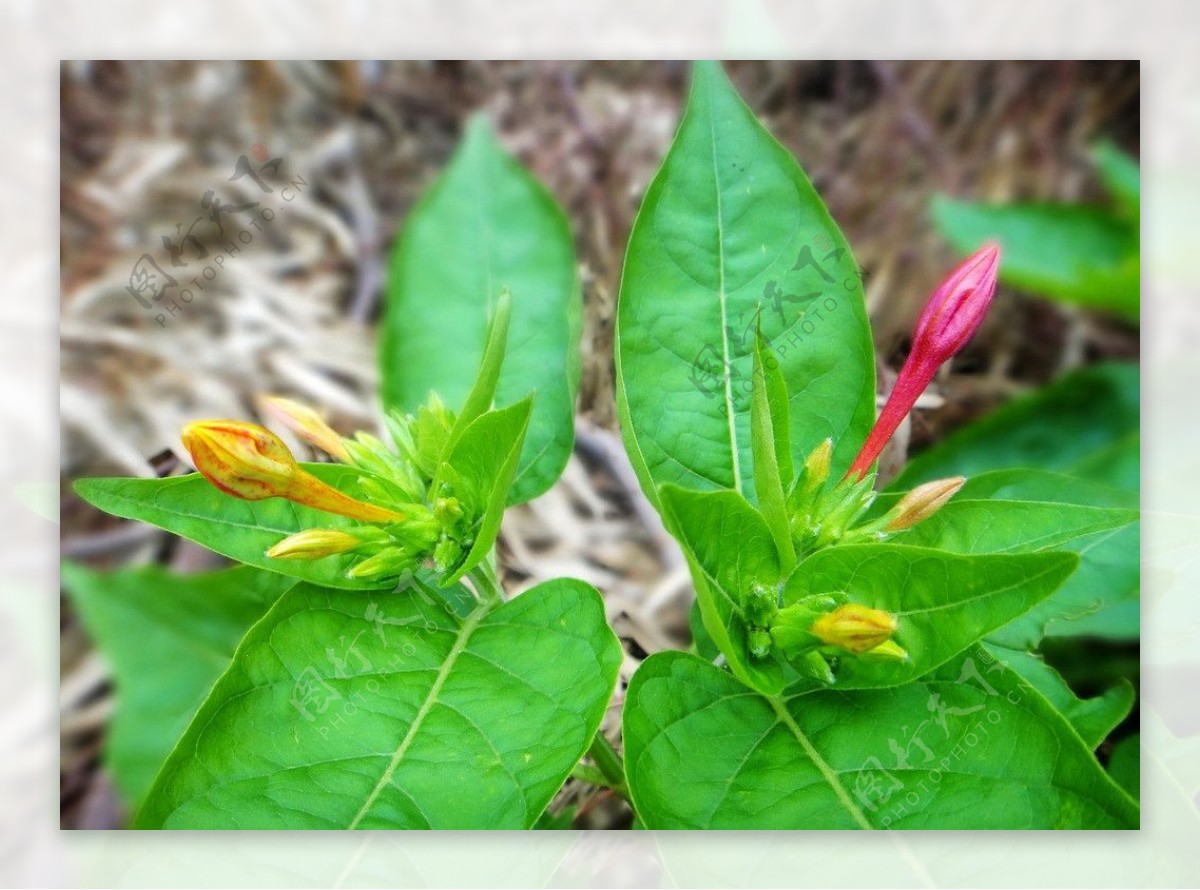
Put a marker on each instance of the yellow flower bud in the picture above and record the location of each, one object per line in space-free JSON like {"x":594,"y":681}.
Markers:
{"x":250,"y":462}
{"x":888,"y":651}
{"x":816,"y":465}
{"x":922,"y":502}
{"x":315,"y":543}
{"x":242,"y":459}
{"x":307,"y":424}
{"x":854,"y":628}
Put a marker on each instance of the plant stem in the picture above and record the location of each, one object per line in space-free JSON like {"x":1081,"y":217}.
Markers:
{"x":608,"y":761}
{"x":483,"y":579}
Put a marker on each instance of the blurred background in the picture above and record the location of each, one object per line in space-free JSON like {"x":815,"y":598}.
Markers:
{"x":147,"y":148}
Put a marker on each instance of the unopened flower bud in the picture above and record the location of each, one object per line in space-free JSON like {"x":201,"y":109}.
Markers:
{"x":887,"y":651}
{"x":922,"y":502}
{"x":446,"y":554}
{"x":315,"y":543}
{"x":391,"y":562}
{"x":307,"y":424}
{"x":949,"y":320}
{"x":242,"y":459}
{"x":250,"y":462}
{"x":758,"y":640}
{"x":816,"y":465}
{"x":854,"y":628}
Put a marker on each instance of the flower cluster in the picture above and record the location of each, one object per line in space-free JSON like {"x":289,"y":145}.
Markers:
{"x":407,"y":516}
{"x":821,"y":515}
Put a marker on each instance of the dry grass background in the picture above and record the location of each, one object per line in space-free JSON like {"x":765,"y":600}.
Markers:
{"x":141,"y":142}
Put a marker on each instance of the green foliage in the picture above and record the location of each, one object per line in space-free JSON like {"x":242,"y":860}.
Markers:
{"x":861,"y":660}
{"x":167,"y":638}
{"x":1077,"y":254}
{"x":731,"y":237}
{"x":855,"y":689}
{"x":1085,"y":424}
{"x":1094,"y":718}
{"x":484,"y":227}
{"x":1027,"y":511}
{"x":192,"y":508}
{"x":943,"y":603}
{"x":968,"y":747}
{"x":400,"y":713}
{"x":482,"y":465}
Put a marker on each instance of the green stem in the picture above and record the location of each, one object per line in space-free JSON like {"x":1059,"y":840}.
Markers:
{"x":587,"y":773}
{"x":608,"y":761}
{"x":483,"y":579}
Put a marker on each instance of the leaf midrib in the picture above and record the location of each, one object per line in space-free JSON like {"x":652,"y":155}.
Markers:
{"x":828,"y":773}
{"x":991,"y":592}
{"x":722,"y":300}
{"x":460,"y":645}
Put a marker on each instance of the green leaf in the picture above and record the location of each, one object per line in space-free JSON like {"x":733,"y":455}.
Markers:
{"x":1124,"y":765}
{"x":730,"y":230}
{"x":970,"y":748}
{"x":943,"y":603}
{"x":730,"y":550}
{"x":484,"y":461}
{"x":1064,"y":426}
{"x":1026,"y":511}
{"x":345,"y":711}
{"x":702,"y":641}
{"x":483,"y":392}
{"x":484,"y":226}
{"x":191,"y":507}
{"x":1121,"y":177}
{"x":771,"y":450}
{"x":167,"y":638}
{"x":1092,"y":718}
{"x":1072,"y":253}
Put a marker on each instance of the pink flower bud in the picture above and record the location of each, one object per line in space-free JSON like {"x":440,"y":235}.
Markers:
{"x":949,"y":320}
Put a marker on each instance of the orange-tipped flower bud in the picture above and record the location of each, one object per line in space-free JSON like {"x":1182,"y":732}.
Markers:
{"x":242,"y":459}
{"x":949,"y":320}
{"x":922,"y":502}
{"x":315,"y":543}
{"x":307,"y":424}
{"x":854,"y":628}
{"x":250,"y":462}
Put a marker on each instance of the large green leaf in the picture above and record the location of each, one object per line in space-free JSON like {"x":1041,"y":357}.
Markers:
{"x":731,"y":228}
{"x":942,"y":603}
{"x":484,"y":226}
{"x":386,"y":711}
{"x":1068,"y":426}
{"x":1077,"y":254}
{"x":1092,"y":718}
{"x":972,"y":747}
{"x":167,"y":638}
{"x":191,"y":507}
{"x":1027,"y":511}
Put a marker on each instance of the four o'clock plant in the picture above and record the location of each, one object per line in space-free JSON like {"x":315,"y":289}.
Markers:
{"x":852,"y":661}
